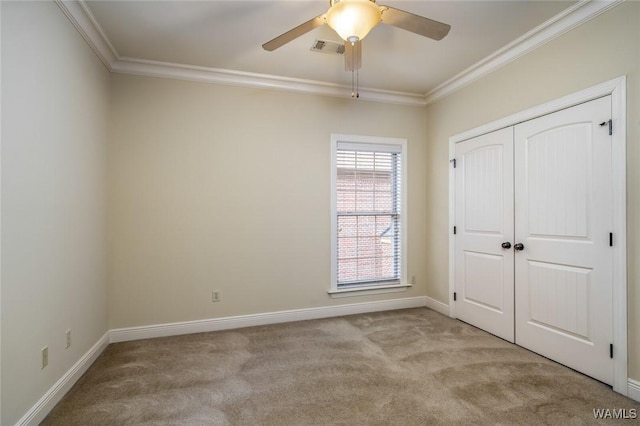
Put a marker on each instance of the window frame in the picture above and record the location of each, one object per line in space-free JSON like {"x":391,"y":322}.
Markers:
{"x":380,"y":143}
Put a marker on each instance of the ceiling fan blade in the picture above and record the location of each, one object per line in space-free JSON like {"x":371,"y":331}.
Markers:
{"x":414,"y":23}
{"x":290,"y":35}
{"x":352,"y":56}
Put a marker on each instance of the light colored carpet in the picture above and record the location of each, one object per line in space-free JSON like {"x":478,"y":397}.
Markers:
{"x":407,"y":367}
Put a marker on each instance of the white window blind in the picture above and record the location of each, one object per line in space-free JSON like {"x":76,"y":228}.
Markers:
{"x":368,"y":191}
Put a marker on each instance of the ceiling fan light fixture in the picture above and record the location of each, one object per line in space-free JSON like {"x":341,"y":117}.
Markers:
{"x":353,"y":19}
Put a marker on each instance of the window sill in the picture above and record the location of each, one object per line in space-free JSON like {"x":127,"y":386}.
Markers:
{"x":364,"y":291}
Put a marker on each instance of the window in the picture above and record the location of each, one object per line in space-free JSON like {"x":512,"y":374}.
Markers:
{"x":368,"y":214}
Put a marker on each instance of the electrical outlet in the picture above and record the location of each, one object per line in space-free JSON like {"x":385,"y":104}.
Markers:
{"x":68,"y":338}
{"x":45,"y":356}
{"x":215,"y":296}
{"x":413,"y":280}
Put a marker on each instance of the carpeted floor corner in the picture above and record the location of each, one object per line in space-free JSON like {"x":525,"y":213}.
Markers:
{"x":406,"y":367}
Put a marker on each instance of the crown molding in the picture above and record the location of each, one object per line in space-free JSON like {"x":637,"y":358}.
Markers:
{"x":578,"y":14}
{"x":262,"y":81}
{"x":81,"y":17}
{"x":83,"y":20}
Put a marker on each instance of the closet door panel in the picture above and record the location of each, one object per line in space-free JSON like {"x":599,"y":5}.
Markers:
{"x":484,"y":221}
{"x":563,"y":219}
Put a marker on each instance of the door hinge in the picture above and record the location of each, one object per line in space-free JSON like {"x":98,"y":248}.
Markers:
{"x":610,"y":123}
{"x":453,"y":162}
{"x":455,"y":296}
{"x":610,"y":239}
{"x":454,"y":230}
{"x":611,"y":350}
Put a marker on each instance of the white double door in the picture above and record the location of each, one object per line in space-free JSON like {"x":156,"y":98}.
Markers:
{"x":533,"y":262}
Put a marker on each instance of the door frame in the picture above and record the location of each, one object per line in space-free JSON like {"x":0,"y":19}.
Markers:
{"x":617,"y":89}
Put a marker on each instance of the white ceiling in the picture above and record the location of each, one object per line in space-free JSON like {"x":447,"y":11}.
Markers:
{"x":228,"y":35}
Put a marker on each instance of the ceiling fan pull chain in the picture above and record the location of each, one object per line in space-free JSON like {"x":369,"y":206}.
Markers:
{"x":355,"y":75}
{"x":357,"y":67}
{"x":353,"y":89}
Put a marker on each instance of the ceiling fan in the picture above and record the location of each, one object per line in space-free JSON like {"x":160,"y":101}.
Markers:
{"x":353,"y":19}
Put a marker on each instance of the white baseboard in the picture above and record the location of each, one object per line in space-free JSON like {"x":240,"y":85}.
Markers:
{"x":39,"y":411}
{"x":437,"y":306}
{"x":227,"y":323}
{"x":634,"y":389}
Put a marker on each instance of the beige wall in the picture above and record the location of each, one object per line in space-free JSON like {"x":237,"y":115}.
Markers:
{"x":225,"y":188}
{"x":600,"y":50}
{"x":55,"y":100}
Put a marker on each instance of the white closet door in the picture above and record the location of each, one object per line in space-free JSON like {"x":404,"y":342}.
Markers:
{"x":484,"y":221}
{"x":563,"y":219}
